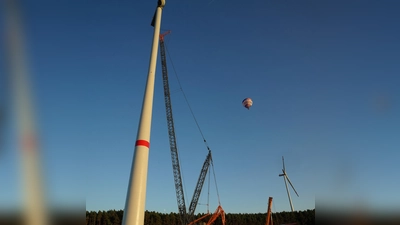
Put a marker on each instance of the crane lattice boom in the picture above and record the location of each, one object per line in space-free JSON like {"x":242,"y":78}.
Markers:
{"x":199,"y":186}
{"x":186,"y":218}
{"x":172,"y":138}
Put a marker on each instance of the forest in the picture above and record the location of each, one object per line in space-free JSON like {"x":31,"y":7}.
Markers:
{"x":114,"y":217}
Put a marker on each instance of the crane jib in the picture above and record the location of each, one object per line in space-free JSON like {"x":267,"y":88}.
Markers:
{"x":172,"y":139}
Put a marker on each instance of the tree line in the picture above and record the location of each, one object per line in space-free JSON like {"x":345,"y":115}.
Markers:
{"x":114,"y":217}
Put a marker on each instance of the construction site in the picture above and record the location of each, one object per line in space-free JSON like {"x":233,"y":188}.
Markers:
{"x":187,"y":215}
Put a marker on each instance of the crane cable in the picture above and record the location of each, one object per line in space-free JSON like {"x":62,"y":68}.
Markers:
{"x":187,"y":102}
{"x":215,"y":180}
{"x":274,"y":214}
{"x":198,"y":126}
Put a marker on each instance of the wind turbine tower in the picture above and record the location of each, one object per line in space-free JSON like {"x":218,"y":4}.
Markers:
{"x":286,"y":179}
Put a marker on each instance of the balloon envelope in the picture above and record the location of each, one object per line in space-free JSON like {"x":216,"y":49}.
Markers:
{"x":247,"y":103}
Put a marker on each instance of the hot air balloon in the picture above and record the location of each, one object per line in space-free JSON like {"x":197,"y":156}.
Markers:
{"x":247,"y":102}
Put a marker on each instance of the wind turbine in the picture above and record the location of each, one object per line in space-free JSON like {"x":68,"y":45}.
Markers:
{"x":285,"y":177}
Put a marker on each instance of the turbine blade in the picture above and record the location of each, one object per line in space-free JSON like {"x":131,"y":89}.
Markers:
{"x":283,"y":161}
{"x":154,"y":19}
{"x":284,"y":178}
{"x":291,"y":185}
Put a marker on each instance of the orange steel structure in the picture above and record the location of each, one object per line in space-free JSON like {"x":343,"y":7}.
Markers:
{"x":269,"y":212}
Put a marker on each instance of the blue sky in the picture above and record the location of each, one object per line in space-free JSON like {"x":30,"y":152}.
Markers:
{"x":323,"y":77}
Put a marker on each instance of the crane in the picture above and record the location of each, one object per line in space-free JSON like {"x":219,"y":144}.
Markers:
{"x":186,"y":217}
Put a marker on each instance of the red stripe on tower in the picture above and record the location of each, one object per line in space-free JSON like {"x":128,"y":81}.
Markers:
{"x":142,"y":143}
